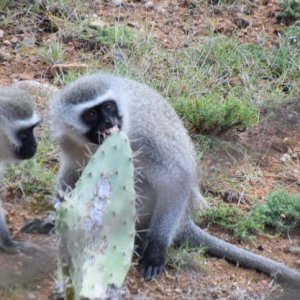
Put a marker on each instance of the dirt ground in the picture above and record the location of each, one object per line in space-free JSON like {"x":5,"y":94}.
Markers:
{"x":263,"y":147}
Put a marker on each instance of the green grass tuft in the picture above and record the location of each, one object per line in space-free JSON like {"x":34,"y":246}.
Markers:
{"x":186,"y":258}
{"x":280,"y":212}
{"x":290,"y":10}
{"x":215,"y":114}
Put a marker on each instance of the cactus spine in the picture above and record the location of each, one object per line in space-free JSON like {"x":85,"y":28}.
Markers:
{"x":96,"y":223}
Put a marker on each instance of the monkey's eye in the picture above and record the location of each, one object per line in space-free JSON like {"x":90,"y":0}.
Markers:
{"x":90,"y":115}
{"x":108,"y":106}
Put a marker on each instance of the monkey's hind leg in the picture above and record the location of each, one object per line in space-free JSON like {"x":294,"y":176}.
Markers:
{"x":8,"y":245}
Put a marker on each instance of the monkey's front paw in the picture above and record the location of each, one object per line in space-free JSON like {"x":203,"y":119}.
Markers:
{"x":38,"y":226}
{"x":152,"y":261}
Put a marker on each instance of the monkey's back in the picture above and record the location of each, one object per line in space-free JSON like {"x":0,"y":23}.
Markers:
{"x":155,"y":125}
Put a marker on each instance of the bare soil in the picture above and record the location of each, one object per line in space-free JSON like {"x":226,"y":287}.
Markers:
{"x":175,"y":23}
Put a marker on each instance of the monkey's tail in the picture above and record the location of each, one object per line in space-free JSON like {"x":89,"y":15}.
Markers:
{"x":218,"y":248}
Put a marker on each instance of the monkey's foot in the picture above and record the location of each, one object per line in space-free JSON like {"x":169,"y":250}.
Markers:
{"x":39,"y":226}
{"x":13,"y":247}
{"x":152,"y":261}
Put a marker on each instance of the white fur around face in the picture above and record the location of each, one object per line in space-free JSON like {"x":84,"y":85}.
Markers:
{"x":19,"y":124}
{"x":109,"y":95}
{"x":77,"y":110}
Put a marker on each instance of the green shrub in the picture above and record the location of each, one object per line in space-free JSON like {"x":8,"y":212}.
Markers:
{"x":290,"y":10}
{"x":108,"y":36}
{"x":281,"y":211}
{"x":292,"y":35}
{"x":233,"y":220}
{"x":216,"y":114}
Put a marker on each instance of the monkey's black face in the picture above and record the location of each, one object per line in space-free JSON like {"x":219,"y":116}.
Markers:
{"x":28,"y":143}
{"x":101,"y":120}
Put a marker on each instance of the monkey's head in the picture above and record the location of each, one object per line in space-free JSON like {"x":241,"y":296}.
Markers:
{"x":87,"y":110}
{"x":17,"y":123}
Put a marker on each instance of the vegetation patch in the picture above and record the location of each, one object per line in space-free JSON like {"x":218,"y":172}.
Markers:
{"x":290,"y":11}
{"x":218,"y":83}
{"x":108,"y":36}
{"x":280,"y":212}
{"x":292,"y":35}
{"x":215,"y":114}
{"x":186,"y":258}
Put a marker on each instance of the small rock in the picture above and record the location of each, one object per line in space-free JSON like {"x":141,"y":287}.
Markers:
{"x":294,"y":155}
{"x":97,"y":23}
{"x":161,"y":10}
{"x":298,"y":262}
{"x":248,"y":10}
{"x":31,"y":296}
{"x":134,"y":24}
{"x":5,"y":56}
{"x":149,"y":5}
{"x":15,"y":40}
{"x":1,"y":34}
{"x":294,"y":250}
{"x":117,"y":2}
{"x":240,"y":22}
{"x":6,"y":42}
{"x":285,"y":158}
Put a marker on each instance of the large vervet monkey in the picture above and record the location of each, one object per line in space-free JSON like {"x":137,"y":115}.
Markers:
{"x":94,"y":106}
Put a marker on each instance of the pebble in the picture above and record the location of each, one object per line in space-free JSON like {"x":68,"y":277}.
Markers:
{"x":149,"y":4}
{"x":294,"y":155}
{"x":6,"y":42}
{"x":97,"y":23}
{"x":285,"y":158}
{"x":117,"y":2}
{"x":31,"y":296}
{"x":240,"y":22}
{"x":294,"y":250}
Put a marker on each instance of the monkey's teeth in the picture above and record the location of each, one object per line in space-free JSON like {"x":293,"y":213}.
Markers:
{"x":111,"y":130}
{"x":114,"y":129}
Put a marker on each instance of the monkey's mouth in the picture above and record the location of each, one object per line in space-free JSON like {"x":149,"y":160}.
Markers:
{"x":107,"y":132}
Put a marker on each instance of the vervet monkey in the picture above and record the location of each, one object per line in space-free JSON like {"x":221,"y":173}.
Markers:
{"x":17,"y":142}
{"x":94,"y":106}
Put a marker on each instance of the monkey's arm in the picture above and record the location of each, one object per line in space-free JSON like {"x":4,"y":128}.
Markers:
{"x":216,"y":247}
{"x":67,"y":178}
{"x":171,"y":205}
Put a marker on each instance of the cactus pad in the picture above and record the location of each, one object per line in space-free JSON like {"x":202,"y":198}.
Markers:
{"x":96,"y":222}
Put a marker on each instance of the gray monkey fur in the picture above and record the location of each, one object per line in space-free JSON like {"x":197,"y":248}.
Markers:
{"x":16,"y":111}
{"x":167,"y":181}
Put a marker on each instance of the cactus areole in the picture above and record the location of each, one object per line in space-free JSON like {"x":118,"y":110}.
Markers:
{"x":96,"y":223}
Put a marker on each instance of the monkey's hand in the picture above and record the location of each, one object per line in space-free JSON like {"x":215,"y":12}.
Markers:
{"x":39,"y":226}
{"x":153,"y":259}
